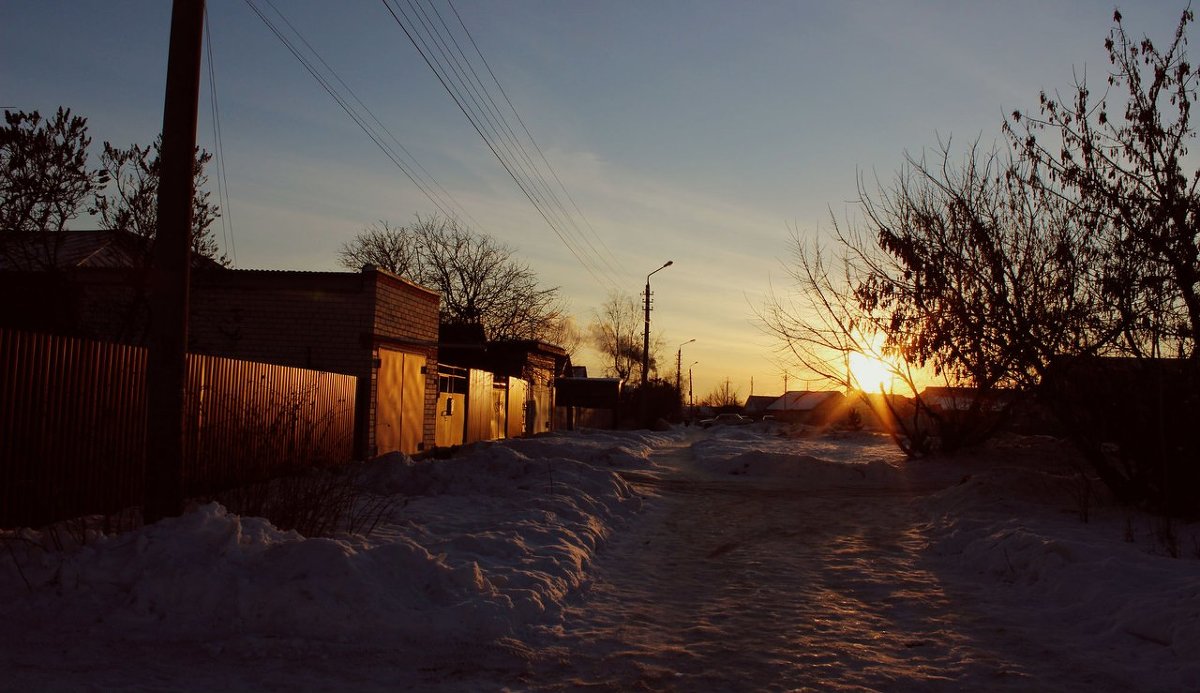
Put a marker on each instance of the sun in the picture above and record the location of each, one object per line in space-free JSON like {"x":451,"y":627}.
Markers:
{"x":870,"y":373}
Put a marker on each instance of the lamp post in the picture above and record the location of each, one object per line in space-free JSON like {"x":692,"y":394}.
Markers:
{"x":691,"y":402}
{"x":646,"y":334}
{"x":679,"y":367}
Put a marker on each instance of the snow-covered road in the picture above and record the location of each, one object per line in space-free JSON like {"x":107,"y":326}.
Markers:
{"x":729,"y":559}
{"x":741,"y":581}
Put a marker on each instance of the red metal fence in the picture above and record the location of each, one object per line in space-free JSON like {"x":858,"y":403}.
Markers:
{"x":73,"y":425}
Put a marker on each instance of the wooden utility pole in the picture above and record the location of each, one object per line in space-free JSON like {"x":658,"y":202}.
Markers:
{"x":166,"y":362}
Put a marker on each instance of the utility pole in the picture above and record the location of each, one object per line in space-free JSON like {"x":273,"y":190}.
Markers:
{"x":679,"y":373}
{"x":679,"y":365}
{"x":691,"y":401}
{"x":166,"y":360}
{"x":646,"y":347}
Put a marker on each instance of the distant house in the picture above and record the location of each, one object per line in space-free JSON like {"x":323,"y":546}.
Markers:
{"x":814,"y":407}
{"x":961,"y":399}
{"x":756,"y":405}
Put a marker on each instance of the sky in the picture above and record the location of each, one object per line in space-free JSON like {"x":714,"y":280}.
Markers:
{"x":698,"y":132}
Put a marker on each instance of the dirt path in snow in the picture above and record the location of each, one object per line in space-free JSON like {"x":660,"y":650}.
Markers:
{"x":733,"y":583}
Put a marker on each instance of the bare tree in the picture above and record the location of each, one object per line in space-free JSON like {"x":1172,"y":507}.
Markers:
{"x":961,"y":267}
{"x":820,"y":324}
{"x":130,"y":200}
{"x":723,"y":395}
{"x":565,"y":333}
{"x":614,"y":333}
{"x":1123,"y":171}
{"x":1121,"y":164}
{"x":44,"y":178}
{"x":988,"y":279}
{"x":479,"y":279}
{"x":382,"y":245}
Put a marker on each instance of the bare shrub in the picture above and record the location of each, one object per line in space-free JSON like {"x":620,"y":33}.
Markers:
{"x":315,"y":503}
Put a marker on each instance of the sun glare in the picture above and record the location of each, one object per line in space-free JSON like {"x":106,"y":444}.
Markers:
{"x":870,"y":373}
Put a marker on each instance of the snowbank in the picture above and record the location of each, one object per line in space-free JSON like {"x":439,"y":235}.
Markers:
{"x":485,"y":542}
{"x":1012,"y":527}
{"x":485,"y":550}
{"x":833,"y":459}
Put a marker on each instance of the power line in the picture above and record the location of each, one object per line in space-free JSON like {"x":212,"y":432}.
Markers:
{"x":416,"y":173}
{"x":521,"y":121}
{"x":444,"y":195}
{"x":472,"y":97}
{"x":222,"y":178}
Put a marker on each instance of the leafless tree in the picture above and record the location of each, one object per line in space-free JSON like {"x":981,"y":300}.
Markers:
{"x":820,"y":323}
{"x":723,"y":395}
{"x":1122,"y":166}
{"x":615,"y":333}
{"x":565,"y":333}
{"x":480,"y":279}
{"x":1126,"y":170}
{"x":988,"y":279}
{"x":45,"y":181}
{"x":382,"y":245}
{"x":129,"y":202}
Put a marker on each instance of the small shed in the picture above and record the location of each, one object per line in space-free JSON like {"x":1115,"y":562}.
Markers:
{"x":588,"y":402}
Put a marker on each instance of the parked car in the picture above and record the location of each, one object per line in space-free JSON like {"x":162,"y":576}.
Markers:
{"x":726,"y":420}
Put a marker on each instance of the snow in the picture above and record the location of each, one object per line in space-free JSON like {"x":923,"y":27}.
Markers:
{"x":752,"y":557}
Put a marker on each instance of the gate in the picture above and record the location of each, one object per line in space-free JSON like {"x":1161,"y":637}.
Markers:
{"x":400,"y":402}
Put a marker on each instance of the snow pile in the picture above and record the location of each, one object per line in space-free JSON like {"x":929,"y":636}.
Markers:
{"x":484,"y":543}
{"x":970,"y":569}
{"x":1013,"y":529}
{"x":836,"y":459}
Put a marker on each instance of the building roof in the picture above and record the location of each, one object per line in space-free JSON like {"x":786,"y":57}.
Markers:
{"x":759,"y":402}
{"x":965,"y":398}
{"x":66,"y":250}
{"x":804,"y":400}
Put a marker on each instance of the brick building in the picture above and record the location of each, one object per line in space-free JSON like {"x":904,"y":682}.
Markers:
{"x":372,"y":324}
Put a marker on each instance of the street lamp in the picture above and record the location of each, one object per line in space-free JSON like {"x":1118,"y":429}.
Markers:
{"x":691,"y":402}
{"x":679,"y":364}
{"x":646,"y":335}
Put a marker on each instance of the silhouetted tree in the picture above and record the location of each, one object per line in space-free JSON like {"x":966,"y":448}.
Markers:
{"x":130,"y":200}
{"x":1126,"y":173}
{"x":821,"y":323}
{"x":44,"y":178}
{"x":998,"y":270}
{"x":723,"y":395}
{"x":1121,"y":165}
{"x":566,"y":334}
{"x":616,"y":333}
{"x":393,"y":248}
{"x":989,"y":279}
{"x":961,"y":267}
{"x":479,"y":279}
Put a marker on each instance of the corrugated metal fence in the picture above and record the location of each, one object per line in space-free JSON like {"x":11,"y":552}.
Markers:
{"x":73,"y":432}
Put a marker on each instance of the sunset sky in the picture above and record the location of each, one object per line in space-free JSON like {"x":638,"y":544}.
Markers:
{"x":697,"y":132}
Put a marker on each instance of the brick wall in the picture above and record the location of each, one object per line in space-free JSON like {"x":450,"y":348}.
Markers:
{"x":326,"y":321}
{"x":330,"y":321}
{"x":315,"y":320}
